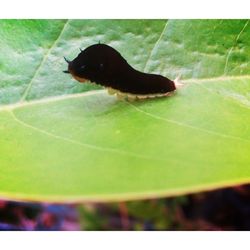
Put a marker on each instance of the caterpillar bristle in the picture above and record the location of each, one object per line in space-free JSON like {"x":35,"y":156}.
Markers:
{"x":178,"y":83}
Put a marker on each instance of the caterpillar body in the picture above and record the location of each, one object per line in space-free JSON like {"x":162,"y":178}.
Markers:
{"x":103,"y":65}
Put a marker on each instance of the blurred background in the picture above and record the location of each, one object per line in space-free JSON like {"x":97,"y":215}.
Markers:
{"x":223,"y":209}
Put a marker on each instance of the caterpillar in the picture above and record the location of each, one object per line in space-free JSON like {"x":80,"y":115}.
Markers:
{"x":103,"y":65}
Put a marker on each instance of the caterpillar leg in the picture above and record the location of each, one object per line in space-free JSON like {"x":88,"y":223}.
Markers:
{"x":132,"y":97}
{"x":111,"y":91}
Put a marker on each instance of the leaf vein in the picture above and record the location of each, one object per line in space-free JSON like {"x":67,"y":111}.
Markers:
{"x":231,"y":49}
{"x":155,"y":46}
{"x":187,"y":125}
{"x":86,"y":145}
{"x":27,"y":90}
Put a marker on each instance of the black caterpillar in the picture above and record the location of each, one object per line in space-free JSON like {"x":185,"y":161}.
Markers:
{"x":101,"y":64}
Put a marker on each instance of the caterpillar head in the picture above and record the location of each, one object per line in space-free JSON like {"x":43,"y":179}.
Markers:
{"x":96,"y":63}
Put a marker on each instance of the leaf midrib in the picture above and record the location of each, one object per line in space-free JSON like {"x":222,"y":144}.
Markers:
{"x":22,"y":104}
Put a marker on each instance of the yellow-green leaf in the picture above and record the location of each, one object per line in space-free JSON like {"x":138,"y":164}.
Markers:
{"x":65,"y":141}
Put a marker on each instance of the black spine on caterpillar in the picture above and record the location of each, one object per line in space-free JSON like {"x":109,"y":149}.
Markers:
{"x":104,"y":65}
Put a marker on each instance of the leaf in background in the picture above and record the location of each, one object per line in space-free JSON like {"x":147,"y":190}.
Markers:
{"x":64,"y":141}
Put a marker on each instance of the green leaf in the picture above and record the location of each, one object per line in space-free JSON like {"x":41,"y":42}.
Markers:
{"x":65,"y":141}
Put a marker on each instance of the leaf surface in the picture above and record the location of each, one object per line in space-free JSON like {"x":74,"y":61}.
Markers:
{"x":65,"y":141}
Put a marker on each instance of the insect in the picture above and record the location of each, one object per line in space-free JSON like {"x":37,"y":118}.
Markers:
{"x":103,"y":65}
